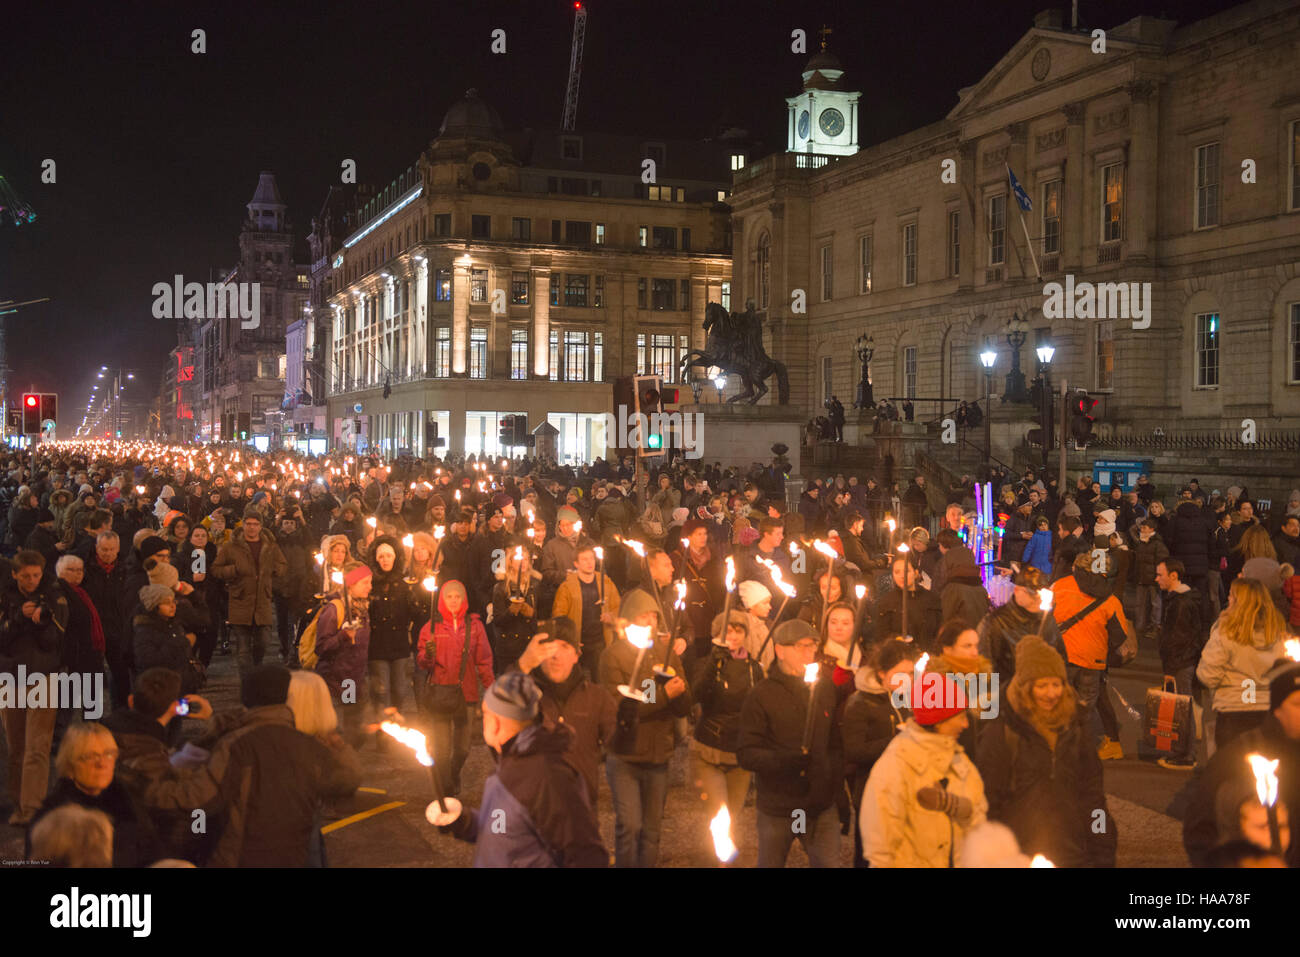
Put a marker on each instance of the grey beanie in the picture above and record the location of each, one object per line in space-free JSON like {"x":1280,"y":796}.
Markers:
{"x":151,"y":596}
{"x":637,"y":603}
{"x":514,"y":695}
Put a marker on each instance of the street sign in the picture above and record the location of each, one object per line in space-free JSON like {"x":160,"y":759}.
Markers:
{"x":1124,"y":473}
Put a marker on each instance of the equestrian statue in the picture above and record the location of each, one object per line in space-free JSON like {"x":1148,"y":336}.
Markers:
{"x":735,"y":345}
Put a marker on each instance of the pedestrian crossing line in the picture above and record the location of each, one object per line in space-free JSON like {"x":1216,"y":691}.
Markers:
{"x":372,"y":790}
{"x":328,"y":828}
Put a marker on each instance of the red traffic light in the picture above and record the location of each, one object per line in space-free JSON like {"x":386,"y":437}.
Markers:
{"x":31,"y":401}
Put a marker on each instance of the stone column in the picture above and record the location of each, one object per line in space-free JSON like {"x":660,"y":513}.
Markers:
{"x":1141,"y":174}
{"x":968,"y":179}
{"x":1078,"y":209}
{"x":541,"y":321}
{"x":460,"y":319}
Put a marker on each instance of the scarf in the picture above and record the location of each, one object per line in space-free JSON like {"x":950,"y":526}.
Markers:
{"x":967,"y":666}
{"x":1050,"y":724}
{"x":701,"y":558}
{"x":96,"y":626}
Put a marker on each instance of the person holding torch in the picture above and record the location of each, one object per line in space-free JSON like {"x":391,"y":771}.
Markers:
{"x":790,"y":738}
{"x":542,"y":797}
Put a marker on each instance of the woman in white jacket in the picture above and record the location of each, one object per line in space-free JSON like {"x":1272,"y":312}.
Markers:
{"x":924,"y":794}
{"x":1244,"y":643}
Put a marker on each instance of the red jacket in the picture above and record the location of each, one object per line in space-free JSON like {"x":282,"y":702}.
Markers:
{"x":1291,"y":588}
{"x":449,"y":644}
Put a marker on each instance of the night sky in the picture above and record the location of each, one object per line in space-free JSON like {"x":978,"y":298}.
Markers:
{"x":158,"y":149}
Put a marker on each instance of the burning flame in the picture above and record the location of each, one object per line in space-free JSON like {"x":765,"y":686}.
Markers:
{"x":457,"y":495}
{"x":519,"y":552}
{"x":409,"y":541}
{"x":686,"y":543}
{"x":635,"y":546}
{"x":320,"y":559}
{"x":577,"y":527}
{"x":825,"y":549}
{"x":810,"y":672}
{"x":794,"y":549}
{"x":731,"y":573}
{"x":638,"y":635}
{"x":681,"y":596}
{"x":920,"y":665}
{"x":1040,"y":861}
{"x":720,"y":828}
{"x":1265,"y":772}
{"x":439,"y":533}
{"x":1292,"y":646}
{"x":139,"y":490}
{"x":600,"y":553}
{"x":902,"y":547}
{"x":892,"y":525}
{"x":337,"y":578}
{"x":372,"y":521}
{"x":413,"y":739}
{"x":1045,"y":596}
{"x":860,"y":591}
{"x":530,"y":532}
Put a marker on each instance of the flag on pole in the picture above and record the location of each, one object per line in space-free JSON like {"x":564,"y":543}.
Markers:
{"x":1021,"y":196}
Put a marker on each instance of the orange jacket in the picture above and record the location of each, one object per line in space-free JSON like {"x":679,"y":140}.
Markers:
{"x":1087,"y":643}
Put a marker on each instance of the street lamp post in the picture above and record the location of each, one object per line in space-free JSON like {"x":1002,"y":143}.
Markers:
{"x":1045,"y":352}
{"x":987,"y":358}
{"x":865,"y":348}
{"x":1017,"y":329}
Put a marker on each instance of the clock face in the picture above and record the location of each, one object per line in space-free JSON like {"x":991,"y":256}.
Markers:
{"x":831,"y":122}
{"x":803,"y":125}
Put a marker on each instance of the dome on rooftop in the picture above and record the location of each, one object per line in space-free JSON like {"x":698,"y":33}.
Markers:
{"x":471,"y":117}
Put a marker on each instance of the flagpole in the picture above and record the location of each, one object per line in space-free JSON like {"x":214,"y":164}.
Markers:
{"x":1029,"y":243}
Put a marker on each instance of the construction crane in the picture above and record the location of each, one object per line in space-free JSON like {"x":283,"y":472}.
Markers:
{"x":575,"y":67}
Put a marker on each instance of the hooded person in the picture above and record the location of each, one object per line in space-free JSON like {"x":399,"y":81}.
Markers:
{"x":391,"y":607}
{"x":755,"y":601}
{"x":962,"y":596}
{"x":1042,"y":776}
{"x":924,"y":794}
{"x":534,"y":787}
{"x":343,"y":647}
{"x":569,"y":697}
{"x":454,"y":654}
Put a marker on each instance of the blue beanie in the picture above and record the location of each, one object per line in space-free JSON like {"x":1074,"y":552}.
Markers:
{"x":514,"y":695}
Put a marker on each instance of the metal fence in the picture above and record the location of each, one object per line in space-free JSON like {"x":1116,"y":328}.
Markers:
{"x":1216,"y":439}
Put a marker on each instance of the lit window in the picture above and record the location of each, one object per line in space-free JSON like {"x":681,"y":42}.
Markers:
{"x":519,"y":288}
{"x":864,"y":264}
{"x":575,"y":290}
{"x":1052,"y":217}
{"x":1112,"y":203}
{"x":726,"y":296}
{"x":478,"y":352}
{"x":1207,"y":350}
{"x":600,"y":234}
{"x":598,"y":296}
{"x":663,"y":292}
{"x":764,"y":270}
{"x":737,"y":161}
{"x":598,"y":358}
{"x":519,"y":353}
{"x":643,"y":236}
{"x":442,"y":285}
{"x":575,"y":355}
{"x":442,"y":352}
{"x":478,"y":283}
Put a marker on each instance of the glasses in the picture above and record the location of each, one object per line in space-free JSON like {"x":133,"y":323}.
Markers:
{"x":94,"y":757}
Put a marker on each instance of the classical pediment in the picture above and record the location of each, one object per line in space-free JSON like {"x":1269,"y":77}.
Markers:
{"x":1040,"y":58}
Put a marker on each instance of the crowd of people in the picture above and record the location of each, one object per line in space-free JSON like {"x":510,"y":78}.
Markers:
{"x":842,"y":657}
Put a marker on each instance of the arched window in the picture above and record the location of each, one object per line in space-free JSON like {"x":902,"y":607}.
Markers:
{"x":764,"y":270}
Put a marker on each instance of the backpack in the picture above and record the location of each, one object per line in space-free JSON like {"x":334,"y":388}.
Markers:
{"x":307,"y":656}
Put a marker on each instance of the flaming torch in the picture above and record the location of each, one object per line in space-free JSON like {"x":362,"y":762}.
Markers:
{"x":430,"y":584}
{"x":447,"y":809}
{"x":892,"y":526}
{"x":720,"y":828}
{"x":324,"y":575}
{"x":907,"y":562}
{"x":641,"y":638}
{"x":1292,"y":646}
{"x":600,"y":573}
{"x":1040,"y":861}
{"x":1265,"y":772}
{"x":731,"y":586}
{"x":1045,"y":596}
{"x":810,"y":679}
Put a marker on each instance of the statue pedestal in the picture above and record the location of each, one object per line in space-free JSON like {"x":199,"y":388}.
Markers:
{"x":740,"y":435}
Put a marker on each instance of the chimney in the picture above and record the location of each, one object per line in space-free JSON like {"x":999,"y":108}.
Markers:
{"x":1048,"y":20}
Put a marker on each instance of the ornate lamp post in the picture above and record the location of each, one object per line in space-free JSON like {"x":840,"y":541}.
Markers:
{"x":1016,"y":331}
{"x":988,"y":357}
{"x":865,"y":348}
{"x":1045,"y":352}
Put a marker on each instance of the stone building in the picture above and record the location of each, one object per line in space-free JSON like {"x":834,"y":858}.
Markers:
{"x":1135,"y":161}
{"x":240,"y":372}
{"x":522,"y":272}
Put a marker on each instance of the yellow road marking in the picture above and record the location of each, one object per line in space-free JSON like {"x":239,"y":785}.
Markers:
{"x":361,"y":817}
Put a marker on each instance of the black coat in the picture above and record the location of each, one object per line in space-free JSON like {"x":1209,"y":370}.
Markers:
{"x":390,"y":609}
{"x":1182,"y":631}
{"x":923,"y":612}
{"x":1047,"y":796}
{"x":771,"y":735}
{"x":79,"y":652}
{"x":870,"y":722}
{"x":514,"y":631}
{"x":109,"y":593}
{"x":160,"y":642}
{"x":720,"y":684}
{"x":1188,"y":538}
{"x":135,"y":841}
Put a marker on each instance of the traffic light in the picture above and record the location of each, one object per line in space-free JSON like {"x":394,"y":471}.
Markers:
{"x":1081,"y":419}
{"x":49,"y":408}
{"x":506,"y":431}
{"x":649,"y":402}
{"x":244,"y":425}
{"x":31,"y":413}
{"x":521,"y":435}
{"x":431,"y":439}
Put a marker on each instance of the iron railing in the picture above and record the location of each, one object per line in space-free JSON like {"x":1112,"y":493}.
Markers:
{"x":1198,"y":440}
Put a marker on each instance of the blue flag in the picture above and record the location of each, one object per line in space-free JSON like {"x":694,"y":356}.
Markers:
{"x":1021,"y":196}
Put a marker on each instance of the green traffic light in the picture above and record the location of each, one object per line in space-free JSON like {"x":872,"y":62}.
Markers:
{"x":656,"y":441}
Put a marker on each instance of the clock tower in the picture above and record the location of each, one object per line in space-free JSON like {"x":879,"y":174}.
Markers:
{"x":824,"y":117}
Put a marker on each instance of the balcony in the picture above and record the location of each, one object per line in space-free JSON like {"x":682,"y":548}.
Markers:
{"x":1109,"y":253}
{"x":783,"y":162}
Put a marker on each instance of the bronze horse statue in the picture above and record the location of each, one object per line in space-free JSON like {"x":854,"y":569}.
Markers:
{"x":735,"y":345}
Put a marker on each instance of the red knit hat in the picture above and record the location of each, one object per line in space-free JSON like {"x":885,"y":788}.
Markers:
{"x":936,"y":697}
{"x":360,"y":573}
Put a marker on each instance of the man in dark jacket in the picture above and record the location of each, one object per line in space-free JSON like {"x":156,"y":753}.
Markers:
{"x":1188,"y":539}
{"x":797,"y":774}
{"x":1182,"y":635}
{"x":44,"y":539}
{"x":1277,"y":737}
{"x":1003,"y":627}
{"x":540,"y":794}
{"x":247,"y":564}
{"x":922,"y":608}
{"x":1286,"y":542}
{"x":264,"y":780}
{"x":105,"y":582}
{"x":294,"y":588}
{"x":915,"y":505}
{"x":33,"y":617}
{"x":570,"y":698}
